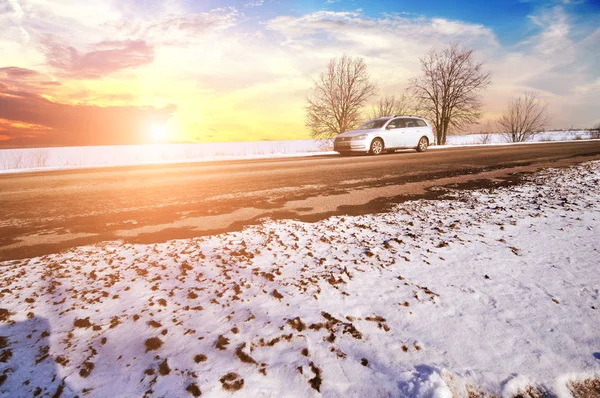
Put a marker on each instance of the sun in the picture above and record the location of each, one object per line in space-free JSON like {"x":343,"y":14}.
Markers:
{"x":159,"y":133}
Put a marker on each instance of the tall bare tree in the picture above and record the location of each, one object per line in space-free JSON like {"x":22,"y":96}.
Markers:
{"x":391,"y":105}
{"x":340,"y":93}
{"x":450,"y":89}
{"x":525,"y":117}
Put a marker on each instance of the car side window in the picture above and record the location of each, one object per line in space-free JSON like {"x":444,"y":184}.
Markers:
{"x":397,"y":124}
{"x":421,"y":123}
{"x":411,"y":123}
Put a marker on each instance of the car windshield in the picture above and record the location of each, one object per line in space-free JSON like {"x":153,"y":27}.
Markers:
{"x":373,"y":124}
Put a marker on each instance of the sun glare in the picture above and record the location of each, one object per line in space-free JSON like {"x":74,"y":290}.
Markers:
{"x":158,"y":133}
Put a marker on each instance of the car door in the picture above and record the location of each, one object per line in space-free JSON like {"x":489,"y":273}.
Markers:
{"x":413,"y":133}
{"x":394,"y":134}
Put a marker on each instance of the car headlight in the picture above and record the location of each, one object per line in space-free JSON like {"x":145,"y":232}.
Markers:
{"x":359,"y":137}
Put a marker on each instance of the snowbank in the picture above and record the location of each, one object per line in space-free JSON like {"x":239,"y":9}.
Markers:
{"x":37,"y":159}
{"x":548,"y":136}
{"x":482,"y":292}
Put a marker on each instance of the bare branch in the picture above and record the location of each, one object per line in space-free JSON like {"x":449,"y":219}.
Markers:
{"x":340,"y":93}
{"x":450,"y":89}
{"x":390,"y":105}
{"x":595,"y":132}
{"x":524,"y":118}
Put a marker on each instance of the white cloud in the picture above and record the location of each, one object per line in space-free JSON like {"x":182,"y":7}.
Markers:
{"x":555,"y":31}
{"x":560,"y":62}
{"x":255,"y":3}
{"x":178,"y":28}
{"x":391,"y":44}
{"x":17,"y":19}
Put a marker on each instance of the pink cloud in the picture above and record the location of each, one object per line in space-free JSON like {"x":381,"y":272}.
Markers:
{"x":105,"y":58}
{"x":16,"y":72}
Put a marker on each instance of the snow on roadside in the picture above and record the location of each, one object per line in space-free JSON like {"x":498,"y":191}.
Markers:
{"x":23,"y":160}
{"x":20,"y":160}
{"x":482,"y":292}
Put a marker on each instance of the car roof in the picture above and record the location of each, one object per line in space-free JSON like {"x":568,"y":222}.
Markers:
{"x":386,"y":118}
{"x":409,"y":116}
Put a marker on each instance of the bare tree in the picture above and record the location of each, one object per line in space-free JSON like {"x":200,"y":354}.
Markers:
{"x":595,"y":132}
{"x":525,"y":117}
{"x":39,"y":157}
{"x":487,"y":132}
{"x":484,"y":138}
{"x":390,"y":105}
{"x":12,"y":159}
{"x":340,"y":93}
{"x":450,"y":89}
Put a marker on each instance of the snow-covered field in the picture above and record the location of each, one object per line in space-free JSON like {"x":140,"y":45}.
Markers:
{"x":548,"y":136}
{"x":35,"y":159}
{"x":485,"y":292}
{"x":30,"y":159}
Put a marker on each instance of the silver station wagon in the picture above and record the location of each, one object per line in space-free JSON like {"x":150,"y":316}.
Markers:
{"x":386,"y":134}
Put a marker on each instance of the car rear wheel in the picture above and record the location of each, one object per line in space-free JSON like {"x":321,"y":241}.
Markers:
{"x":423,"y":144}
{"x":376,"y":147}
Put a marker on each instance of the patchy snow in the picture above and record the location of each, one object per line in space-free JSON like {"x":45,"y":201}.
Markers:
{"x":493,"y":292}
{"x":49,"y":159}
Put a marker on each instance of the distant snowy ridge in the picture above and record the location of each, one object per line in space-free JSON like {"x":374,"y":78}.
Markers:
{"x":484,"y":293}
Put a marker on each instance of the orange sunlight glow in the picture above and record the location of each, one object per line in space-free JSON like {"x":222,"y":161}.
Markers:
{"x":159,"y":133}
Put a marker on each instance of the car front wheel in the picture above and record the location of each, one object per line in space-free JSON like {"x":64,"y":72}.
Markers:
{"x":376,"y":147}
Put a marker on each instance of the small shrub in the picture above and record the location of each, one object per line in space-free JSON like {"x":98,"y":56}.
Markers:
{"x":485,"y":139}
{"x":11,"y":159}
{"x":595,"y":132}
{"x":39,"y":157}
{"x":326,"y":145}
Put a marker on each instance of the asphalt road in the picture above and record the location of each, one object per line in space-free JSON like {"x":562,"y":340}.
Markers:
{"x":43,"y":213}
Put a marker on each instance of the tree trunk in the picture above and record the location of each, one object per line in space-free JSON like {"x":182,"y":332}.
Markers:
{"x":445,"y":124}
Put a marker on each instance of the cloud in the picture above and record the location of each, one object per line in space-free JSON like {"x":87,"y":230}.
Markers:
{"x":16,"y":72}
{"x":392,"y":36}
{"x":16,"y":18}
{"x":255,"y":3}
{"x":24,"y":79}
{"x":104,"y":58}
{"x":178,"y":28}
{"x":391,"y":44}
{"x":333,"y":23}
{"x":556,"y":30}
{"x":28,"y":119}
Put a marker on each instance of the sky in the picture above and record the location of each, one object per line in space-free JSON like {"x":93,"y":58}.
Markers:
{"x":144,"y":71}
